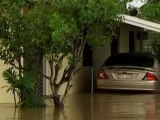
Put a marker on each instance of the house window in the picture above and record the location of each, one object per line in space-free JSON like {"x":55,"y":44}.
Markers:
{"x":147,"y":46}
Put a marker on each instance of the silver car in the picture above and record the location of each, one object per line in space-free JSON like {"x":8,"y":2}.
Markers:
{"x":130,"y":71}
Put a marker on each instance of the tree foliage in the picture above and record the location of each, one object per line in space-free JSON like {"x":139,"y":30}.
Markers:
{"x":151,"y":11}
{"x":58,"y":30}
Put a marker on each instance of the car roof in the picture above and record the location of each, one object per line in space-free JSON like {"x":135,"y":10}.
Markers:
{"x":135,"y":54}
{"x":137,"y":59}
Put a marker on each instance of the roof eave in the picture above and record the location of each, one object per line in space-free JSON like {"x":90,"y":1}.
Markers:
{"x":141,"y":23}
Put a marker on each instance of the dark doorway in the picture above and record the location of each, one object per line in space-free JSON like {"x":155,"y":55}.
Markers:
{"x":114,"y":46}
{"x":87,"y":55}
{"x":131,"y":42}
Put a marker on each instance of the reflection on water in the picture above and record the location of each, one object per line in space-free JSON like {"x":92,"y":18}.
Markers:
{"x":103,"y":106}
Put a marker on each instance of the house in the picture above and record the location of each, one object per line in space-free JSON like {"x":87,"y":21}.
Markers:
{"x":132,"y":37}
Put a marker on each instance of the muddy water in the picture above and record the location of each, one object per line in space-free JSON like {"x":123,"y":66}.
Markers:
{"x":100,"y":106}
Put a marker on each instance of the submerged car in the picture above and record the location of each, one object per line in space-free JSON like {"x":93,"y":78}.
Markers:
{"x":130,"y":71}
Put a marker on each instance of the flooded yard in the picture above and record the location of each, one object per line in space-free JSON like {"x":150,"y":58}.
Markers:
{"x":99,"y":106}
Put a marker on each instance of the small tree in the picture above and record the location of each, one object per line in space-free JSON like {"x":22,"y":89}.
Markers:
{"x":15,"y":40}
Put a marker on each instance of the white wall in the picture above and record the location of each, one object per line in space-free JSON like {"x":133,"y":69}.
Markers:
{"x":124,"y":38}
{"x":80,"y":81}
{"x":4,"y":96}
{"x":100,"y":55}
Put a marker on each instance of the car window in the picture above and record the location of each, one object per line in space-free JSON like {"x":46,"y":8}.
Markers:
{"x":130,"y":60}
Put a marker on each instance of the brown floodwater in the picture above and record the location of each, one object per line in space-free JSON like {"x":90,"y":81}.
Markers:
{"x":99,"y":106}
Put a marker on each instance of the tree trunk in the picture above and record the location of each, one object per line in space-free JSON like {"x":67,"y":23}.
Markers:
{"x":57,"y":101}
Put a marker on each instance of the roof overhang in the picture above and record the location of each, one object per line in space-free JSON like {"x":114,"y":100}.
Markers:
{"x":141,"y":23}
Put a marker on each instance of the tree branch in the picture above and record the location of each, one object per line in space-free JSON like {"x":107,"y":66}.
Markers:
{"x":45,"y":76}
{"x":57,"y":67}
{"x":50,"y":61}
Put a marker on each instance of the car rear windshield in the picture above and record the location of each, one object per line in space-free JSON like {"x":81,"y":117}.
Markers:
{"x":130,"y":60}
